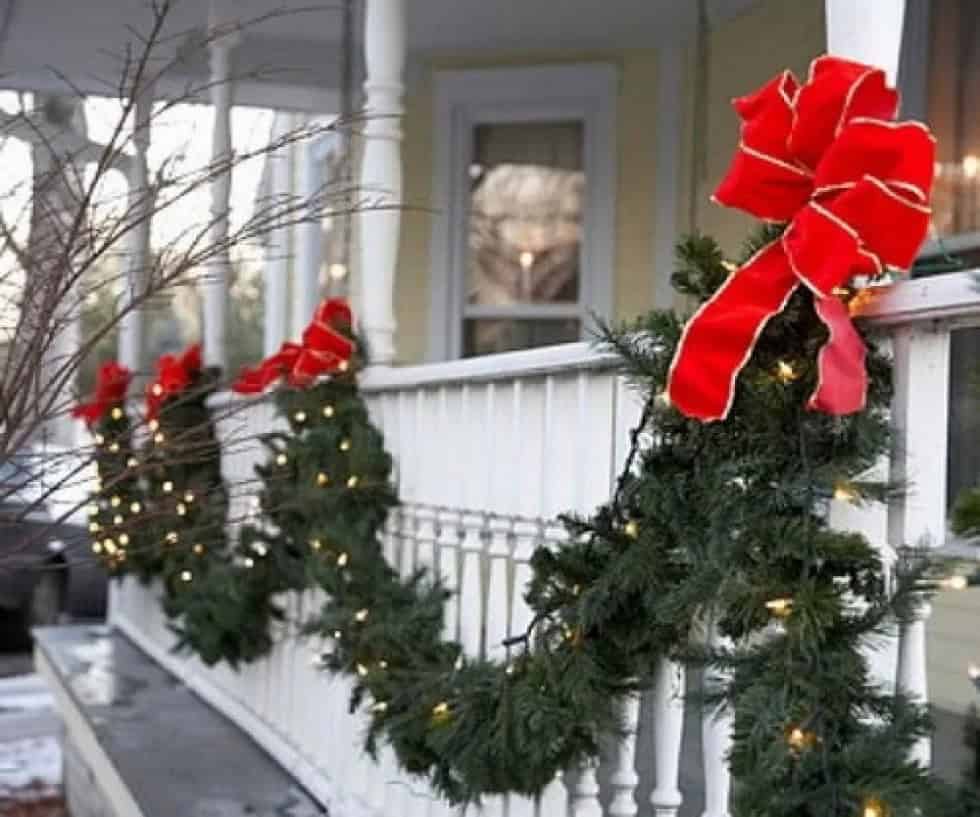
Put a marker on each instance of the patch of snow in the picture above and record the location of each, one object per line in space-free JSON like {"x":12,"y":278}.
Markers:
{"x":30,"y":762}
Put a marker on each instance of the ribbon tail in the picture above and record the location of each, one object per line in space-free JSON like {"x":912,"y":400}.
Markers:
{"x":843,"y":380}
{"x":719,"y":338}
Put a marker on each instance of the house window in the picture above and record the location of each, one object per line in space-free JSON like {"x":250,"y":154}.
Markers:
{"x":525,"y":174}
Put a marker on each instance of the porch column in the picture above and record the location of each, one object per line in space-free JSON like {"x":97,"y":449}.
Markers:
{"x":309,"y":238}
{"x":140,"y":206}
{"x":868,"y":31}
{"x":381,"y":172}
{"x":276,"y":263}
{"x":215,"y":284}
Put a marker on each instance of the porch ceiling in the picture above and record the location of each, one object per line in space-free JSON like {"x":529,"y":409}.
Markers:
{"x":296,"y":42}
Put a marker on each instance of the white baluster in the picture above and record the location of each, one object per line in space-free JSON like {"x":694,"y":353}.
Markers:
{"x":275,"y":267}
{"x":215,"y":284}
{"x":140,"y":206}
{"x":408,"y":540}
{"x":716,"y":740}
{"x":554,"y":800}
{"x":381,"y":171}
{"x":912,"y":677}
{"x":392,"y":542}
{"x":624,"y":777}
{"x":471,"y":585}
{"x":448,"y":542}
{"x":527,"y":535}
{"x":498,"y":608}
{"x":584,"y":793}
{"x":425,"y":520}
{"x":668,"y":729}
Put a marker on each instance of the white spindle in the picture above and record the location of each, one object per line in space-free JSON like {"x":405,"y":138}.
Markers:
{"x":425,"y":519}
{"x":215,"y":284}
{"x":912,"y":671}
{"x":527,"y":534}
{"x":408,"y":540}
{"x":716,"y":740}
{"x":471,"y":585}
{"x":498,"y":602}
{"x":275,"y":268}
{"x":140,"y":206}
{"x":584,"y":792}
{"x":448,"y":543}
{"x":381,"y":171}
{"x":668,"y":731}
{"x":309,"y":239}
{"x":624,"y":777}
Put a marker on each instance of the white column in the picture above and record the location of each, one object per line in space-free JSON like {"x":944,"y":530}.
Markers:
{"x":140,"y":206}
{"x":308,"y":239}
{"x":215,"y":284}
{"x":668,"y":729}
{"x":868,"y":31}
{"x":381,"y":172}
{"x":275,"y":271}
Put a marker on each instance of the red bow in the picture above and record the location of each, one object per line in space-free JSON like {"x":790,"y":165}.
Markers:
{"x":174,"y":374}
{"x":854,"y":187}
{"x":111,"y":385}
{"x":326,"y":349}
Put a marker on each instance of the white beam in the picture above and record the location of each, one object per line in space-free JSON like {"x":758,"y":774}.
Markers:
{"x":277,"y":250}
{"x":215,"y":283}
{"x":868,"y":31}
{"x":381,"y":172}
{"x":140,"y":208}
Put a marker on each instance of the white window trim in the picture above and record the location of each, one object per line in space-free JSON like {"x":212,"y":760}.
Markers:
{"x":464,"y":99}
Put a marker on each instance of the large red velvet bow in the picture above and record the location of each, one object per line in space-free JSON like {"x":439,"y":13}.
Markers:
{"x":111,"y":385}
{"x":853,"y":186}
{"x":174,"y":374}
{"x":326,"y":349}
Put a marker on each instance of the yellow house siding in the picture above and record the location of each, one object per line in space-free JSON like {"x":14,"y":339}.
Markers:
{"x":636,"y":116}
{"x":745,"y":53}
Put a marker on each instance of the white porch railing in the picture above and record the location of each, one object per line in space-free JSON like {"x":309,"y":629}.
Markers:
{"x":488,"y":451}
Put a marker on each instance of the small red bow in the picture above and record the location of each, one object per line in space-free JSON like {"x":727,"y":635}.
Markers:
{"x":853,"y":186}
{"x":111,"y":385}
{"x":326,"y":349}
{"x":174,"y":374}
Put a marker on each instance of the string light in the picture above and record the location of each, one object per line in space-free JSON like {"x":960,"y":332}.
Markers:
{"x":337,"y":270}
{"x":114,"y":448}
{"x":117,"y":519}
{"x":440,"y":712}
{"x":281,"y":459}
{"x":799,"y":739}
{"x":362,"y":670}
{"x":873,"y":808}
{"x":173,"y":537}
{"x":109,"y":545}
{"x":99,"y":439}
{"x":322,"y":479}
{"x":260,"y":549}
{"x":115,"y":502}
{"x":382,"y":664}
{"x":132,"y":462}
{"x":94,"y":527}
{"x":973,"y":672}
{"x":352,"y":481}
{"x":181,"y":509}
{"x":249,"y":562}
{"x":158,"y":438}
{"x":123,"y":538}
{"x":135,"y":507}
{"x":300,"y":416}
{"x":781,"y":608}
{"x":345,"y":445}
{"x":117,"y":413}
{"x":93,"y":510}
{"x":154,"y":425}
{"x":460,"y":662}
{"x":328,"y":411}
{"x":168,"y":486}
{"x":343,"y":366}
{"x":188,"y":496}
{"x":730,"y":266}
{"x":342,"y":560}
{"x":843,"y":493}
{"x":337,"y":635}
{"x":380,"y":707}
{"x":198,"y":549}
{"x":157,"y":389}
{"x":631,"y":529}
{"x":316,"y":544}
{"x":96,"y":547}
{"x":186,"y":575}
{"x":361,"y":615}
{"x":957,"y":582}
{"x":785,"y":372}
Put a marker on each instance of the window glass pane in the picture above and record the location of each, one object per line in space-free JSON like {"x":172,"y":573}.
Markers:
{"x":485,"y":336}
{"x":954,"y":88}
{"x":525,"y":220}
{"x":964,"y":411}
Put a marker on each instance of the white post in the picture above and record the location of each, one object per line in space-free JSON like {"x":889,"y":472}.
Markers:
{"x":381,"y":172}
{"x":868,"y":31}
{"x":668,"y":724}
{"x":276,"y":263}
{"x":309,"y":240}
{"x":140,"y":207}
{"x":919,"y":462}
{"x":624,"y":778}
{"x":215,"y":284}
{"x":716,"y":740}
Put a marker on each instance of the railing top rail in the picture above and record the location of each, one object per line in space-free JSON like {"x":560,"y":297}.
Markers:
{"x":507,"y":366}
{"x":939,"y":297}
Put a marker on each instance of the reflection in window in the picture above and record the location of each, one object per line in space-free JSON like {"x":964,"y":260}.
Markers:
{"x":527,"y":186}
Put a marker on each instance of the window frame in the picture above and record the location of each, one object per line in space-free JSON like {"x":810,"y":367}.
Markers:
{"x":465,"y":99}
